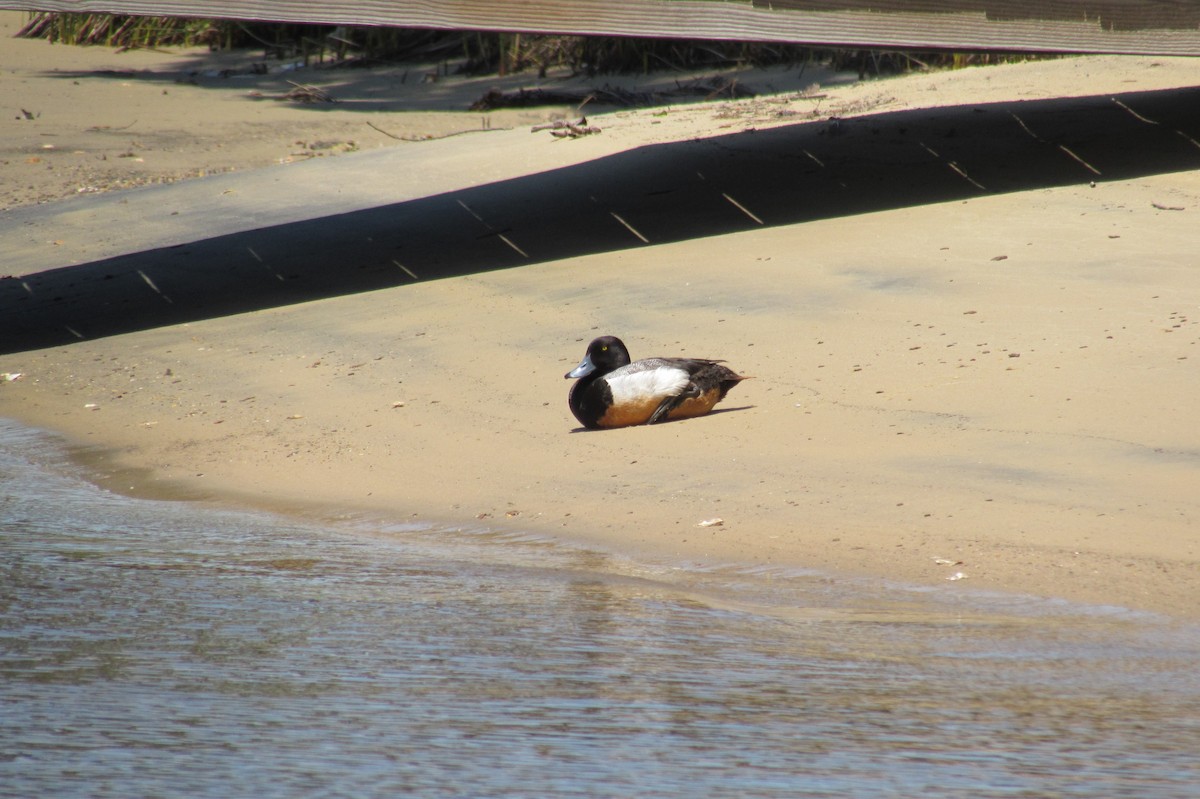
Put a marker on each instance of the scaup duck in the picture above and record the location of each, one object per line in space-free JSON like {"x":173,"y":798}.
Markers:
{"x":612,"y":392}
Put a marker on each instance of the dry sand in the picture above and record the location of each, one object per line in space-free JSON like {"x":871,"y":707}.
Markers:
{"x":970,"y":302}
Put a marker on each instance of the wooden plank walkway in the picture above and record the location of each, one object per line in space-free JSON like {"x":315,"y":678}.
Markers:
{"x":1152,"y":27}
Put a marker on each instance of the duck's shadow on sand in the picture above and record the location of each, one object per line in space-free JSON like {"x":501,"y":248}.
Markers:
{"x":654,"y":194}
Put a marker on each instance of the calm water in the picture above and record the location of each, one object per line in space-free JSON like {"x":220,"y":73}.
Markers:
{"x":177,"y":650}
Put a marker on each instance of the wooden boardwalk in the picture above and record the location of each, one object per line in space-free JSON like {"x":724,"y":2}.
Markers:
{"x":1153,"y":27}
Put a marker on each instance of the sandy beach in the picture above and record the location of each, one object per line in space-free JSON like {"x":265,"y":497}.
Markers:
{"x":970,"y":303}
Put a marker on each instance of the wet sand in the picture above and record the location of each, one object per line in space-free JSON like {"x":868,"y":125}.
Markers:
{"x":969,"y":302}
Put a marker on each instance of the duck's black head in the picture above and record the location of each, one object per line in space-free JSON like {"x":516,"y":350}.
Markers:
{"x":603,"y":355}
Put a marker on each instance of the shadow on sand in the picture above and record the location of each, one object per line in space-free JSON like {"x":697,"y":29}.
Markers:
{"x":650,"y":195}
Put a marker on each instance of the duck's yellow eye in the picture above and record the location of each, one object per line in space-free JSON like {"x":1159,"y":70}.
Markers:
{"x":604,"y":349}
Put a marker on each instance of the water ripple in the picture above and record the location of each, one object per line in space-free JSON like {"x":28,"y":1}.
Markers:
{"x":182,"y":650}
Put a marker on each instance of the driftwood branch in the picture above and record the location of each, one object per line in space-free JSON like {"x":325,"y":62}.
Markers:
{"x":561,"y":129}
{"x":706,"y":89}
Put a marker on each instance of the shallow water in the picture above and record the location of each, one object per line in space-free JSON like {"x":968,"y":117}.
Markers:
{"x":180,"y":650}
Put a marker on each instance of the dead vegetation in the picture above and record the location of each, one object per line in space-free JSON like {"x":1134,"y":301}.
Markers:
{"x":475,"y":52}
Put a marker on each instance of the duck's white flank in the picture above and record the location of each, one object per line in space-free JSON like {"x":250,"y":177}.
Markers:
{"x":637,"y":385}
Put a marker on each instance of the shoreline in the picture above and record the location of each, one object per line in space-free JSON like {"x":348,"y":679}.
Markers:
{"x":103,"y":467}
{"x":106,"y":468}
{"x":1001,"y":379}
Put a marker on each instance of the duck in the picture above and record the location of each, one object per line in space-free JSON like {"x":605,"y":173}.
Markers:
{"x":613,"y":391}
